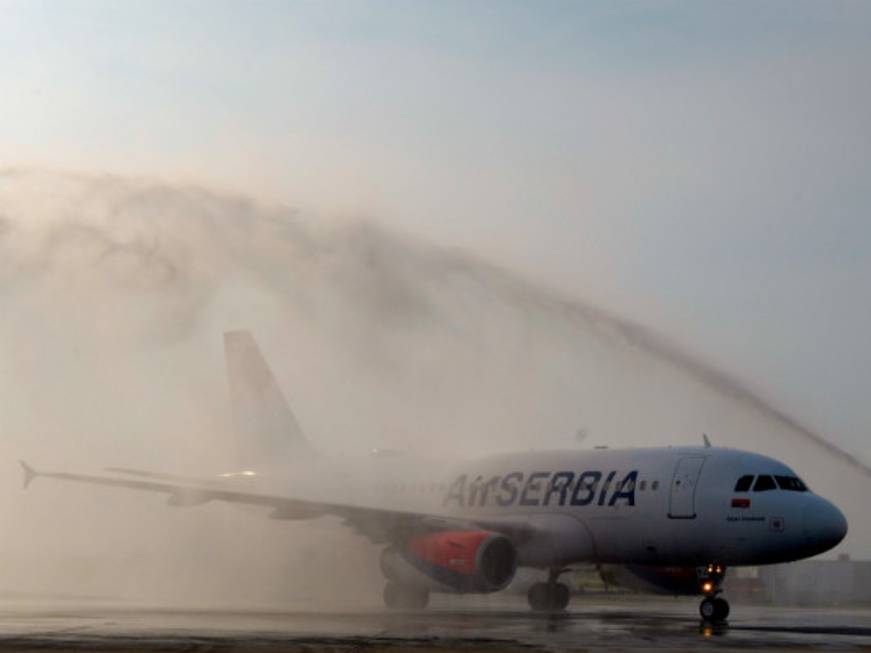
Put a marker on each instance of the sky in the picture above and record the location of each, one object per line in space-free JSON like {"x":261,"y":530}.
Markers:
{"x":701,"y":168}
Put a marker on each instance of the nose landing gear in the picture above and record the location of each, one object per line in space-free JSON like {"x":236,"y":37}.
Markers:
{"x":713,"y":608}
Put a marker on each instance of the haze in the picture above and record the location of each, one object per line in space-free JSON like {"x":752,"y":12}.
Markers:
{"x":177,"y":169}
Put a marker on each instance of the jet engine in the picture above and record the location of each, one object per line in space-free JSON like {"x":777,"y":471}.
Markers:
{"x":452,"y":561}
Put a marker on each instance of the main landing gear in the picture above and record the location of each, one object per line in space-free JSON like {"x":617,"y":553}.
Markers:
{"x":400,"y":597}
{"x":713,"y":608}
{"x":551,"y":596}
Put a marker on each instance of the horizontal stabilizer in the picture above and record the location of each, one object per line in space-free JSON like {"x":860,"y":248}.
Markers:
{"x":186,"y":497}
{"x":29,"y":474}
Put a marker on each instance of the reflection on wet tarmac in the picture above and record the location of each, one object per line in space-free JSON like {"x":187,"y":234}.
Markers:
{"x":503,"y":624}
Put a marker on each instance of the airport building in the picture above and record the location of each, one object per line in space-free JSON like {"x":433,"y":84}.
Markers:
{"x":807,"y":582}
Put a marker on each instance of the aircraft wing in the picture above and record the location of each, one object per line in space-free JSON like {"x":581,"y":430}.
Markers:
{"x":379,"y":525}
{"x":267,"y":432}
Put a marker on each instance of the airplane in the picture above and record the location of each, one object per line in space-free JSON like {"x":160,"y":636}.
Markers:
{"x":674,"y":516}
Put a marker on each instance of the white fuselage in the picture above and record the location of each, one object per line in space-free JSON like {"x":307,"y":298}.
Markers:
{"x":657,"y":506}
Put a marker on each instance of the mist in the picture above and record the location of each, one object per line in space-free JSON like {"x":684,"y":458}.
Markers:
{"x":115,"y":293}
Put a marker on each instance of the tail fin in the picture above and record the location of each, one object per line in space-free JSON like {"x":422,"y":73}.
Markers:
{"x":267,"y":433}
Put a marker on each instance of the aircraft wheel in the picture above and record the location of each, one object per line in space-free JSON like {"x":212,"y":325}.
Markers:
{"x":538,"y":597}
{"x":560,"y":596}
{"x":545,"y":597}
{"x":714,"y":609}
{"x":397,"y":597}
{"x":721,"y":607}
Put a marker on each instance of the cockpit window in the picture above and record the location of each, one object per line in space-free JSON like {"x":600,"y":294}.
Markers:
{"x":764,"y":483}
{"x":744,"y":483}
{"x":791,"y":483}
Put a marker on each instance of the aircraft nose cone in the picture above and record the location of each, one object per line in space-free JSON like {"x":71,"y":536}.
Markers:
{"x":835,"y":526}
{"x":825,"y":525}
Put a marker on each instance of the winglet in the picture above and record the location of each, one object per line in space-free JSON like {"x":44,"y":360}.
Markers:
{"x":707,"y":442}
{"x":29,"y":473}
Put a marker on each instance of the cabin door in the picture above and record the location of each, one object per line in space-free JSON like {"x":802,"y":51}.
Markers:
{"x":682,"y":500}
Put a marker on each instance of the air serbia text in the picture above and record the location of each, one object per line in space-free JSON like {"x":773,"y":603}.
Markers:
{"x":544,"y":489}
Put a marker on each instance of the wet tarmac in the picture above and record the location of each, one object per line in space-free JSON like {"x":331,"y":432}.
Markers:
{"x":503,"y":624}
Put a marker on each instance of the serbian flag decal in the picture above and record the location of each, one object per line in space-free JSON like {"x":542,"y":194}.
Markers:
{"x":740,"y":503}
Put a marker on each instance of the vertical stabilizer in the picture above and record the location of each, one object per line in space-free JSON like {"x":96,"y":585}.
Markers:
{"x":267,"y":433}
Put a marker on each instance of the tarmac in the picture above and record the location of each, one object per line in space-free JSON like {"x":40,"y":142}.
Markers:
{"x":468,"y":624}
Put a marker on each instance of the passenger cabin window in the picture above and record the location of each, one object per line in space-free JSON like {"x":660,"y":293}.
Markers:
{"x":744,"y":483}
{"x":791,"y":483}
{"x":764,"y":483}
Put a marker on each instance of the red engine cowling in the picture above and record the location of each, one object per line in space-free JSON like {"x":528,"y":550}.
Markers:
{"x":458,"y":561}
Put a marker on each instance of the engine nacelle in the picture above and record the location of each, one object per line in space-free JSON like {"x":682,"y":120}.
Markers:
{"x":453,"y":561}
